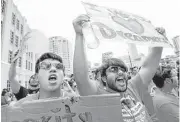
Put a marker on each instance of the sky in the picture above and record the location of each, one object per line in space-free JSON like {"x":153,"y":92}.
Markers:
{"x":54,"y":18}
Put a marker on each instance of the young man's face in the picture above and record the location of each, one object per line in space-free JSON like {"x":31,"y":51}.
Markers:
{"x":116,"y":78}
{"x":34,"y":81}
{"x":50,"y":74}
{"x":134,"y":71}
{"x":74,"y":86}
{"x":7,"y":96}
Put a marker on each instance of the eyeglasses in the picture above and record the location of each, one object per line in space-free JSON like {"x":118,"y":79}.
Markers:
{"x":48,"y":65}
{"x":115,"y":69}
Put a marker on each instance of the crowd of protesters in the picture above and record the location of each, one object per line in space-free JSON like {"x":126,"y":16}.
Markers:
{"x":152,"y":88}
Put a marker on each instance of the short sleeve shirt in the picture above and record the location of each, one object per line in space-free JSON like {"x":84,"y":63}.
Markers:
{"x":22,"y":93}
{"x":133,"y":110}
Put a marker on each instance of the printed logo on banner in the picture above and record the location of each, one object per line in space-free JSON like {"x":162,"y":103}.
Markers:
{"x":127,"y":22}
{"x":81,"y":109}
{"x":112,"y":24}
{"x":68,"y":116}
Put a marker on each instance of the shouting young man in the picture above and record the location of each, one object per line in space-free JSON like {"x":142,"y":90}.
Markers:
{"x":114,"y":75}
{"x":49,"y":69}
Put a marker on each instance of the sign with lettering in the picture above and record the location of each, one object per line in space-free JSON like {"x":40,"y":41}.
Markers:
{"x":111,"y":24}
{"x":103,"y":108}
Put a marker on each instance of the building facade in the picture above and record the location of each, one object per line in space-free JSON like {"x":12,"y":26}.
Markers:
{"x":63,"y":48}
{"x":13,"y":27}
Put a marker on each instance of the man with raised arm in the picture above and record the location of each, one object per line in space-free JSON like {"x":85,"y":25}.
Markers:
{"x":114,"y":75}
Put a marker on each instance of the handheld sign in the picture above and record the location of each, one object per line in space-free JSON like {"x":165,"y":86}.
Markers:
{"x":103,"y":108}
{"x":176,"y":42}
{"x":111,"y":25}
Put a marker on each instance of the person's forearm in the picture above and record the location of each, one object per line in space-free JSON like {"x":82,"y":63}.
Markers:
{"x":80,"y":65}
{"x":12,"y":71}
{"x":150,"y":64}
{"x":15,"y":86}
{"x":153,"y":58}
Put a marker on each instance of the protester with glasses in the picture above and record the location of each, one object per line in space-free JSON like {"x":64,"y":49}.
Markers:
{"x":166,"y":104}
{"x":49,"y":69}
{"x":114,"y":76}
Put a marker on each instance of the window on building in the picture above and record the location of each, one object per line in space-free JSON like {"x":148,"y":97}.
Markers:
{"x":17,"y":25}
{"x":26,"y":54}
{"x":13,"y":18}
{"x":32,"y":55}
{"x":31,"y":67}
{"x":20,"y":61}
{"x":8,"y":85}
{"x":11,"y":37}
{"x":10,"y":56}
{"x":17,"y":41}
{"x":3,"y":6}
{"x":22,"y":29}
{"x":26,"y":64}
{"x":1,"y":27}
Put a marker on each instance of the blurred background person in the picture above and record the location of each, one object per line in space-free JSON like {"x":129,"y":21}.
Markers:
{"x":166,"y":104}
{"x":5,"y":97}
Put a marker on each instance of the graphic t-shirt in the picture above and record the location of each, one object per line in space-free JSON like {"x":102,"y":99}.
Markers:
{"x":133,"y":109}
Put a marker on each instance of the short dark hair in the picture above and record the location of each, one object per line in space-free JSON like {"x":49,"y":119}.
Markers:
{"x":112,"y":62}
{"x":159,"y":78}
{"x":4,"y":91}
{"x":47,"y":55}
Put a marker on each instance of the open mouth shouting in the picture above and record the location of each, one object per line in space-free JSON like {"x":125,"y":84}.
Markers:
{"x":52,"y":78}
{"x":121,"y":81}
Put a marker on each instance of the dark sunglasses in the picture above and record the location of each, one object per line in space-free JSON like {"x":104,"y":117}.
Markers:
{"x":115,"y":69}
{"x":48,"y":65}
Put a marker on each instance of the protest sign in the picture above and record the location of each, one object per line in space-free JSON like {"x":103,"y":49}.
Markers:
{"x":176,"y":42}
{"x":103,"y":108}
{"x":114,"y":25}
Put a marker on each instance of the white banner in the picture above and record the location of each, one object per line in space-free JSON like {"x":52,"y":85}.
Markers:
{"x":114,"y":25}
{"x":101,"y":108}
{"x":176,"y":42}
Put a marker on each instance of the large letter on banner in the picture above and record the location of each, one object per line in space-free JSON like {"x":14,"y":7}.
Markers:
{"x":111,"y":24}
{"x":101,"y":108}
